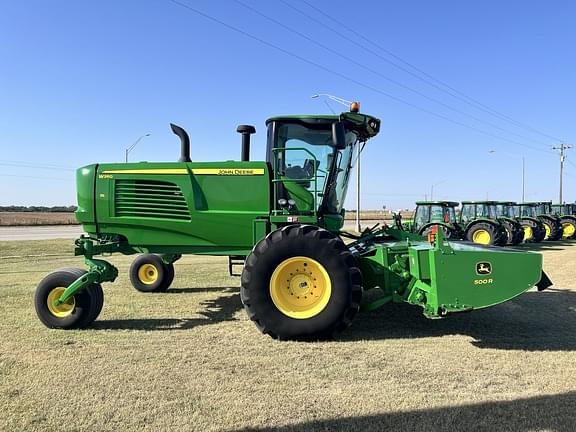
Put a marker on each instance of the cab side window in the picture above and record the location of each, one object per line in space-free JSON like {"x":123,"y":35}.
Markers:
{"x":421,"y":217}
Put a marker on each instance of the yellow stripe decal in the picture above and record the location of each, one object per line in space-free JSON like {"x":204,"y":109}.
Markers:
{"x":200,"y":171}
{"x":148,"y":171}
{"x":229,"y":171}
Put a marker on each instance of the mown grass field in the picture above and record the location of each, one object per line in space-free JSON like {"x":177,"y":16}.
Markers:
{"x":36,"y":218}
{"x":190,"y":360}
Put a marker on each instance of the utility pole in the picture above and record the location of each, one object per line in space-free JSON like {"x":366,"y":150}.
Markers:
{"x":562,"y":158}
{"x":358,"y":150}
{"x":523,"y":178}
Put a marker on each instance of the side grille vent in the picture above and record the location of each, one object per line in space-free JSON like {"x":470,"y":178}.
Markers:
{"x":150,"y":198}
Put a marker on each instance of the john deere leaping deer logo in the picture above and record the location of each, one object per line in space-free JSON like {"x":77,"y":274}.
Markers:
{"x":483,"y":268}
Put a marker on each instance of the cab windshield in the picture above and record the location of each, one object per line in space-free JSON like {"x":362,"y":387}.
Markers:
{"x":528,"y":211}
{"x":309,"y":171}
{"x":451,"y":212}
{"x":491,"y":211}
{"x":433,"y":213}
{"x":503,"y":210}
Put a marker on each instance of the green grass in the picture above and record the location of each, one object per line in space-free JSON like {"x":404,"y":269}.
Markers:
{"x":191,"y":360}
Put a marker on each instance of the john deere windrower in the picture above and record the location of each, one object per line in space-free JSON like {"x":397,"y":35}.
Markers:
{"x":282,"y":219}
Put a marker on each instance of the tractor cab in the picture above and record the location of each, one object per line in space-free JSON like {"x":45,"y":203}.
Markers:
{"x":544,"y":208}
{"x":506,"y":209}
{"x":552,"y":223}
{"x":567,"y":215}
{"x":564,"y":209}
{"x":311,"y":159}
{"x":480,"y":222}
{"x":542,"y":211}
{"x":436,"y":213}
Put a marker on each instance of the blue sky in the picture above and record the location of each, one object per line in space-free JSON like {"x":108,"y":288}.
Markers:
{"x":81,"y":81}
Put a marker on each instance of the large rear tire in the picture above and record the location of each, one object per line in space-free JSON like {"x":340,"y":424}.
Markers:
{"x":568,"y":227}
{"x":539,"y":232}
{"x":510,"y":232}
{"x":552,"y":229}
{"x":482,"y":233}
{"x":78,"y":312}
{"x":301,"y":283}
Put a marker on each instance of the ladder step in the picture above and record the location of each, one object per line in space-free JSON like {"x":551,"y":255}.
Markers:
{"x":235,"y":261}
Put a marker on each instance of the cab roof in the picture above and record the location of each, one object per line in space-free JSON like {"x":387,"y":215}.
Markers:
{"x":365,"y":125}
{"x":440,"y":203}
{"x":481,"y":202}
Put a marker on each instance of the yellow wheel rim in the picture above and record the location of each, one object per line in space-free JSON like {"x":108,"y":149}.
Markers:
{"x":548,"y":231}
{"x":300,"y":287}
{"x":482,"y":237}
{"x":568,"y":229}
{"x":148,"y":274}
{"x":62,"y":310}
{"x":528,"y":233}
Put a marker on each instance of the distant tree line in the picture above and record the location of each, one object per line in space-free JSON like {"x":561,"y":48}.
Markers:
{"x":38,"y":209}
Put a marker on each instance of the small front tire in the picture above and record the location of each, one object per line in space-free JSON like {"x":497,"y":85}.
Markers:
{"x":78,"y":312}
{"x":148,"y":273}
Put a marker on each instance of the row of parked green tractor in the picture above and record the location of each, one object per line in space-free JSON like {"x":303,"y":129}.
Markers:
{"x":495,"y":223}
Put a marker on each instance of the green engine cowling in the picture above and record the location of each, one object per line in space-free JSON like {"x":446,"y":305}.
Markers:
{"x":204,"y":207}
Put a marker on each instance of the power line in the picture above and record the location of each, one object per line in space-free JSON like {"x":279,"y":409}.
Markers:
{"x":38,"y":166}
{"x":378,"y":73}
{"x":35,"y":177}
{"x":348,"y":78}
{"x":430,"y":80}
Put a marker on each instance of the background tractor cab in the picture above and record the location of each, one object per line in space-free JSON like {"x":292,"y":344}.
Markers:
{"x":480,"y":223}
{"x":534,"y":230}
{"x":567,"y":215}
{"x":552,"y":225}
{"x":505,"y":215}
{"x":441,"y":214}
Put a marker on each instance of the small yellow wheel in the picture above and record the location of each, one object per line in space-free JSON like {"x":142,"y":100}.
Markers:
{"x":62,"y":310}
{"x":148,"y":273}
{"x":78,"y":311}
{"x":300,"y":287}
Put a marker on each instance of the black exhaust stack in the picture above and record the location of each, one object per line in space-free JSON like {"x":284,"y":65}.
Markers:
{"x":246,"y":131}
{"x":184,"y":143}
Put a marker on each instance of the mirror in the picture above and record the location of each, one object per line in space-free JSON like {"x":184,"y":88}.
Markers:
{"x":339,"y":135}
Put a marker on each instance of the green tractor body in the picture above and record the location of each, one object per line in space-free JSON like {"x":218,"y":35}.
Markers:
{"x":567,"y":215}
{"x":430,"y":216}
{"x":551,"y":222}
{"x":525,"y":213}
{"x":281,"y":219}
{"x":482,"y":225}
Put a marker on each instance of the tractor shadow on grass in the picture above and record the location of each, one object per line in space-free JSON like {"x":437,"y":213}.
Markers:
{"x":200,"y":290}
{"x":534,"y":321}
{"x":214,"y":311}
{"x":551,"y":413}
